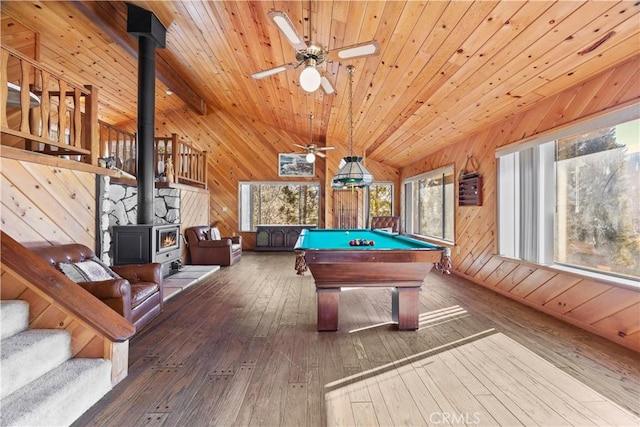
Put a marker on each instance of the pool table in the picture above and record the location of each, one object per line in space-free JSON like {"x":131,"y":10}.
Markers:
{"x":394,"y":261}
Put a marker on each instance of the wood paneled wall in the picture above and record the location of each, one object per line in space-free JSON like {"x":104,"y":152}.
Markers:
{"x":44,"y":204}
{"x":241,"y":149}
{"x":607,"y":310}
{"x":194,"y":210}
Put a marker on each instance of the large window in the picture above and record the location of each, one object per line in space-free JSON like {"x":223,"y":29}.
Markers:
{"x":278,"y":203}
{"x":574,"y":200}
{"x":429,"y":204}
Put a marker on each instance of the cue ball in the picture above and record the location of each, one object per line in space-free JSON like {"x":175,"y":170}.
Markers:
{"x":346,"y":232}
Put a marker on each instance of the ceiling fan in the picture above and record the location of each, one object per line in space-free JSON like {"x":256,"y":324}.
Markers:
{"x":312,"y":149}
{"x":312,"y":55}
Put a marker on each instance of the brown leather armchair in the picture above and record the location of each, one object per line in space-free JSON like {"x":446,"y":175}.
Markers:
{"x":137,"y":295}
{"x":392,"y":222}
{"x":206,"y":247}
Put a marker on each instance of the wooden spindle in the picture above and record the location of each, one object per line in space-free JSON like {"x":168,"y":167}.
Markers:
{"x":25,"y":101}
{"x":4,"y":88}
{"x":45,"y":106}
{"x":62,"y":111}
{"x":77,"y":119}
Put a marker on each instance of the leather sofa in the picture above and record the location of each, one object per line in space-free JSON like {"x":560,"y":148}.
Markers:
{"x":207,"y":247}
{"x":134,"y":291}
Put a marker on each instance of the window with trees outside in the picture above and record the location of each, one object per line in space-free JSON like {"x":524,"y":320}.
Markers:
{"x":264,"y":203}
{"x":380,"y":199}
{"x":573,"y":199}
{"x":429,"y":204}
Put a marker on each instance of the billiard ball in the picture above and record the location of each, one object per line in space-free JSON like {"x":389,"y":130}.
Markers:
{"x":371,"y":243}
{"x":346,"y":232}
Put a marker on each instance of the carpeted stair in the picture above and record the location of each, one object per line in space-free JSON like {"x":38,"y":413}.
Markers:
{"x":40,"y":384}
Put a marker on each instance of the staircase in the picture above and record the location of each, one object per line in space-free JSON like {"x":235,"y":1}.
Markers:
{"x":40,"y":384}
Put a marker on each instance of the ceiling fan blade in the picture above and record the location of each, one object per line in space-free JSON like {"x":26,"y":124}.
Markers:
{"x":285,"y":25}
{"x":320,"y":154}
{"x":325,"y":148}
{"x":327,"y":86}
{"x":271,"y":71}
{"x":356,"y":51}
{"x":300,"y":146}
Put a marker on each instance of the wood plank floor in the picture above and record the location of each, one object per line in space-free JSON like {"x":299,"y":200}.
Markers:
{"x":241,"y":348}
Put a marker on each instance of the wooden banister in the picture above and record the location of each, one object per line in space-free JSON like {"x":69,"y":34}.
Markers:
{"x":46,"y":117}
{"x":189,"y":163}
{"x":70,"y":297}
{"x":120,"y":144}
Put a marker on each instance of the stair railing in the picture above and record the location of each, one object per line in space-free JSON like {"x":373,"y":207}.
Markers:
{"x":96,"y":330}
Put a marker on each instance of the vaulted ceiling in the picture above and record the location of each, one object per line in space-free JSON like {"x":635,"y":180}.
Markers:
{"x":445,"y":69}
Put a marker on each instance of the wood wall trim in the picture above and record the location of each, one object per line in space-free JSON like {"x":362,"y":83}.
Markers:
{"x":43,"y":159}
{"x":576,"y":274}
{"x":625,"y":335}
{"x":182,"y":187}
{"x":42,"y":279}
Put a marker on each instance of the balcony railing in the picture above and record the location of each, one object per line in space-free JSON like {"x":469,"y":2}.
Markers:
{"x":189,"y":164}
{"x":118,"y":146}
{"x":43,"y":112}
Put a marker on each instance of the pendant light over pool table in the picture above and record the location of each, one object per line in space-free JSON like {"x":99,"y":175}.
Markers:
{"x":353,"y":174}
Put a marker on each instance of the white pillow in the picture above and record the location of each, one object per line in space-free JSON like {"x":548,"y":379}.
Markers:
{"x":86,"y":271}
{"x":214,"y":233}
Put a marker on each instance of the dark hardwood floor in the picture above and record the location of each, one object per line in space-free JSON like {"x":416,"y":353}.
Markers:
{"x":241,"y":348}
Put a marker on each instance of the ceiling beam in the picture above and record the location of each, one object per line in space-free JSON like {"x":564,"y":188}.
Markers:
{"x":113,"y":23}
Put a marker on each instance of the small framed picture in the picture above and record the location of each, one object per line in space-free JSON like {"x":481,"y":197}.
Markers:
{"x":295,"y":165}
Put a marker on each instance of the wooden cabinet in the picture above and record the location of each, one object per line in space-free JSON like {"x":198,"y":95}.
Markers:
{"x":470,"y":191}
{"x":278,"y":237}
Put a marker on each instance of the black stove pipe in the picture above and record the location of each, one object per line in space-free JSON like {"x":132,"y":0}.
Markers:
{"x":146,"y":122}
{"x":151,"y":34}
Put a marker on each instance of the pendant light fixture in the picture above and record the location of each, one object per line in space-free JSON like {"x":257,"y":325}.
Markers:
{"x":353,"y":174}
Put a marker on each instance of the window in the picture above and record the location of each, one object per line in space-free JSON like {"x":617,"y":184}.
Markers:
{"x":380,"y":200}
{"x":429,"y":204}
{"x":278,"y":203}
{"x":572,"y":200}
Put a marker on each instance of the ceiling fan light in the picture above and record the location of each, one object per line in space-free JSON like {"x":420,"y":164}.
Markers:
{"x":310,"y":158}
{"x":286,"y":27}
{"x":368,"y":49}
{"x":310,"y":79}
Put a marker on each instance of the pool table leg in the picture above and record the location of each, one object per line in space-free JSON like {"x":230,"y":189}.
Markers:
{"x":328,"y":309}
{"x":405,"y":308}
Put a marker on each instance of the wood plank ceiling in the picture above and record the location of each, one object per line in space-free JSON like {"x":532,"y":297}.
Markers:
{"x":445,"y":70}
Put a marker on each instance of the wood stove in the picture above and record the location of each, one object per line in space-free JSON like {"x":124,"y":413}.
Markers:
{"x":141,"y":244}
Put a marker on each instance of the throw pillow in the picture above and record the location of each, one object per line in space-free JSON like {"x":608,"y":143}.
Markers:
{"x":91,"y":270}
{"x":106,"y":267}
{"x":214,"y":233}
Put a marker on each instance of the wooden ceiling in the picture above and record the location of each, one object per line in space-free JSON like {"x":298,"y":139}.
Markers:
{"x":445,"y":70}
